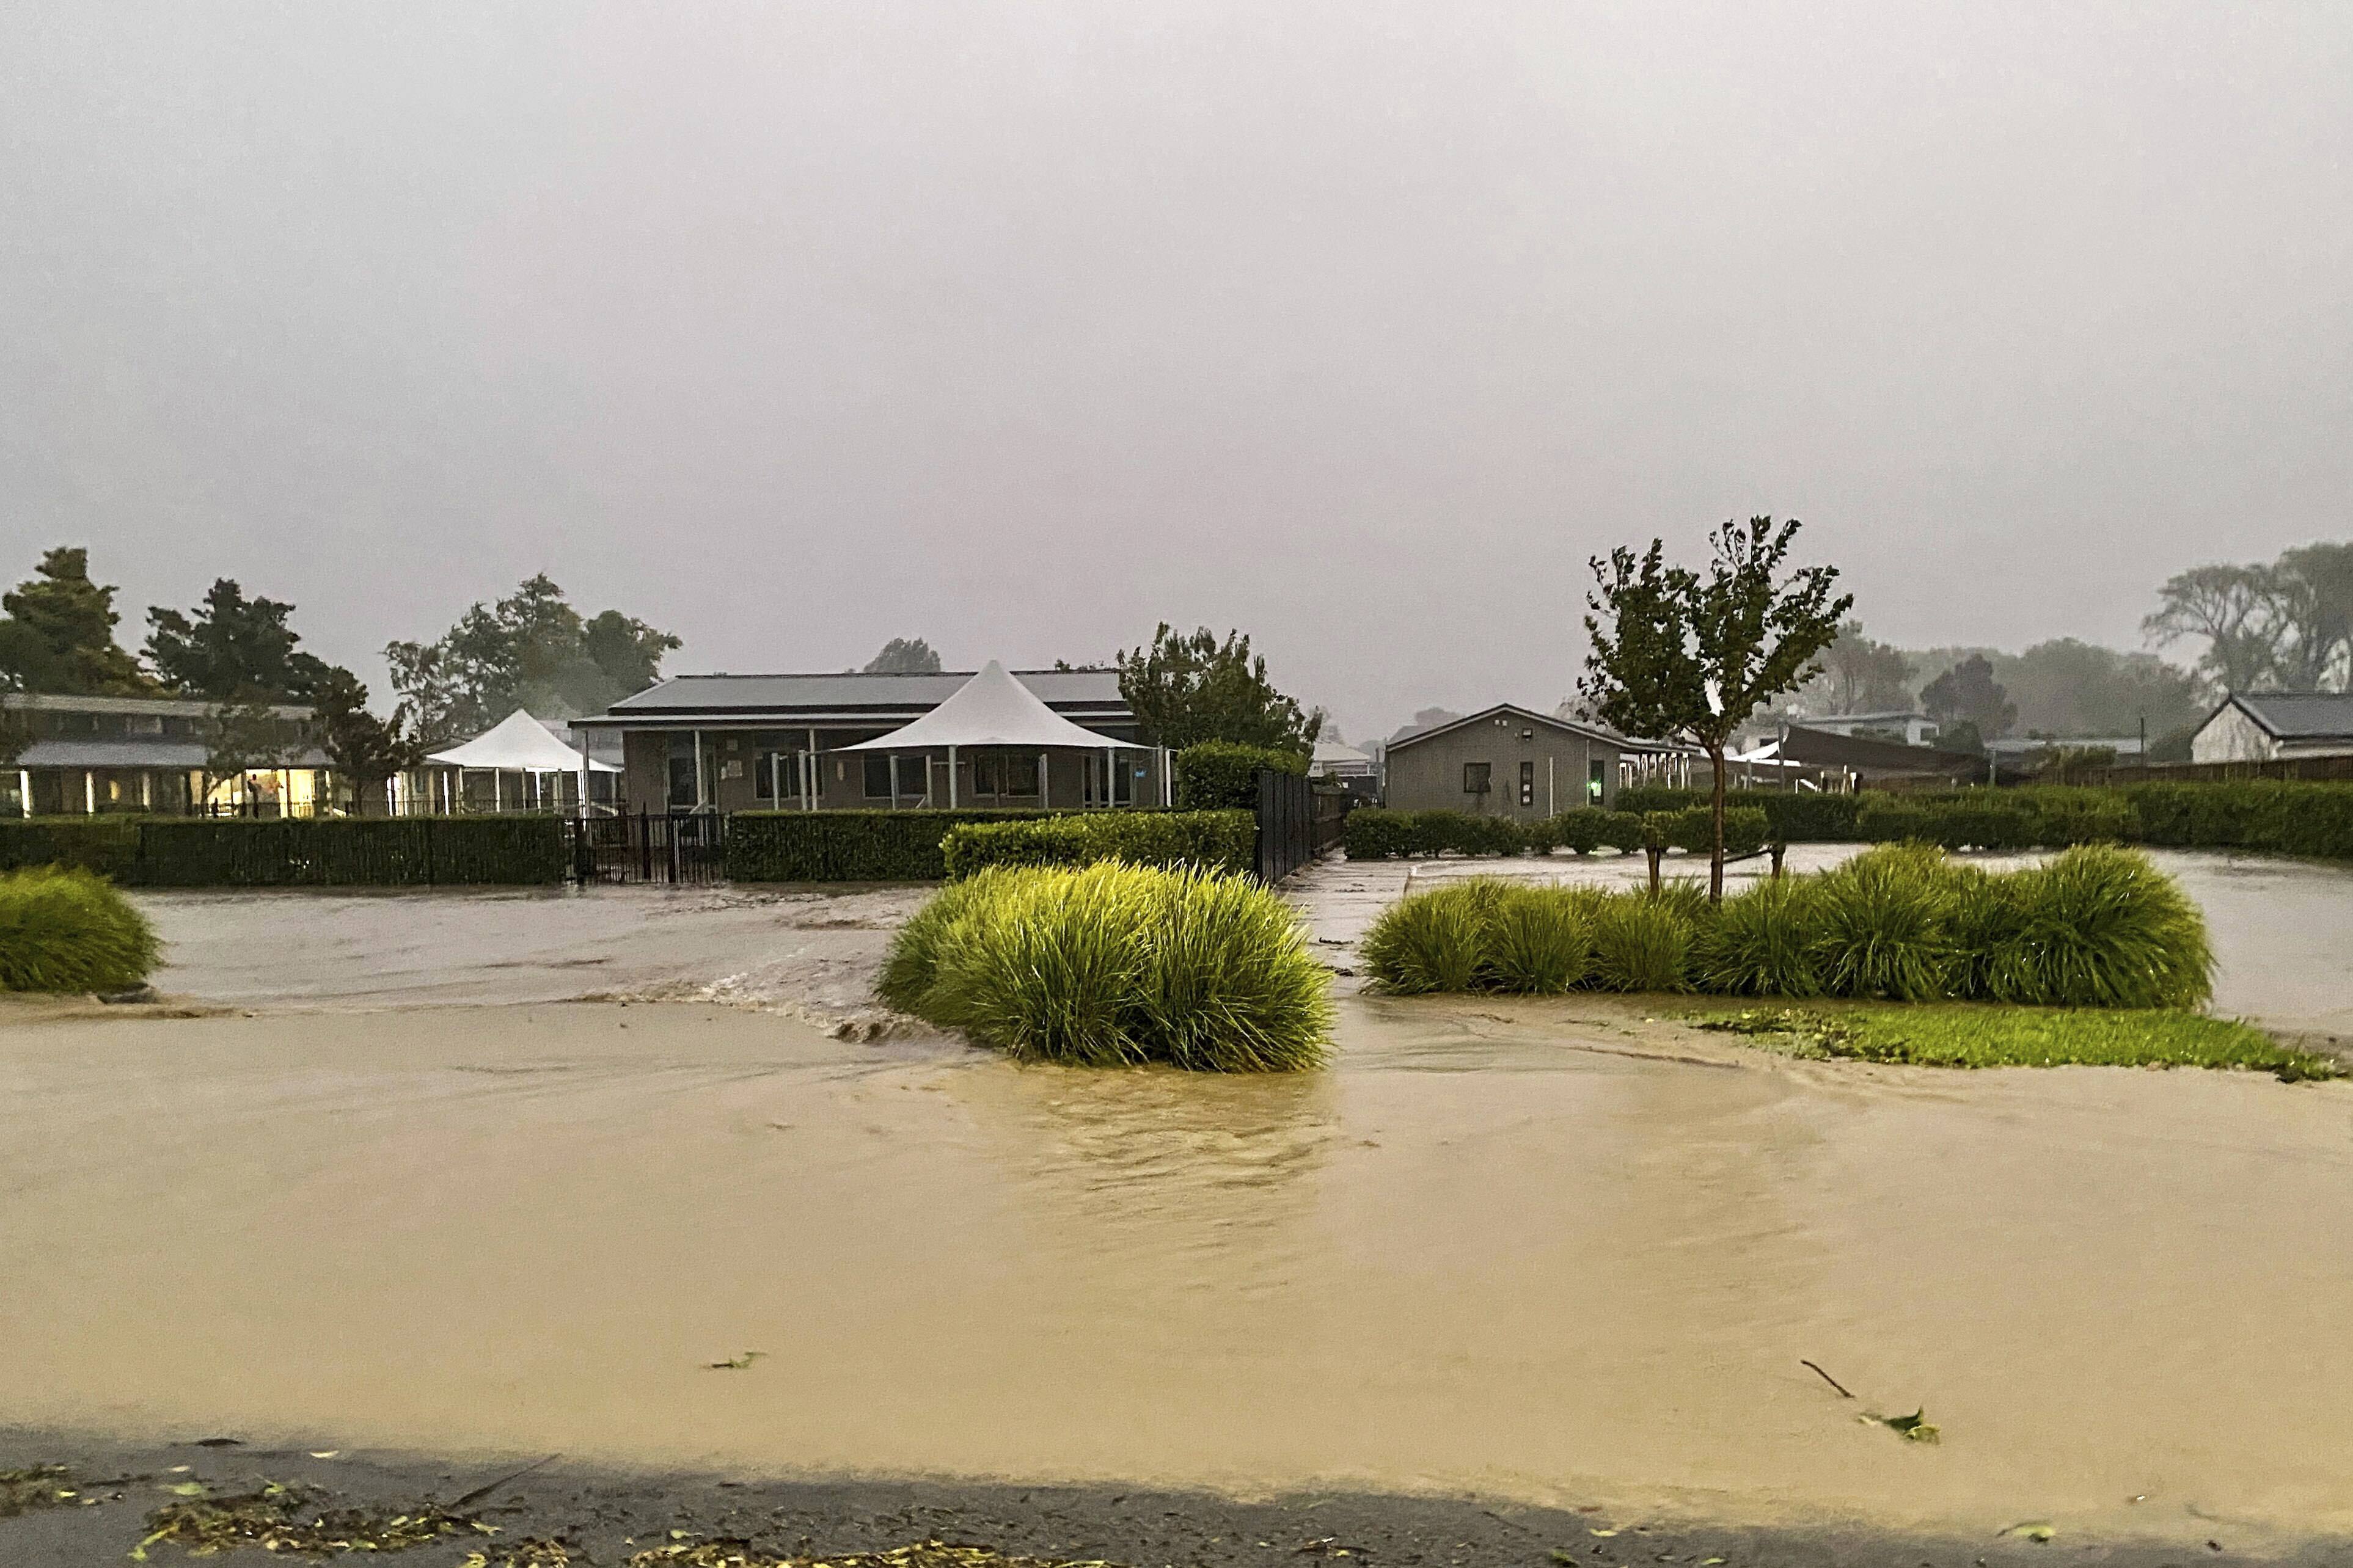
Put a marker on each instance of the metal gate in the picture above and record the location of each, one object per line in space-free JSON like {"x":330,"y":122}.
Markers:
{"x":681,"y":847}
{"x":1297,"y":821}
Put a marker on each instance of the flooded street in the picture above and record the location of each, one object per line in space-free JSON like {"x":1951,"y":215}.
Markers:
{"x":1563,"y":1251}
{"x":1544,"y":1251}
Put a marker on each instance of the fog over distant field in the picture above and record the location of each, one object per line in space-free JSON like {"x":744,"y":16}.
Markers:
{"x":1019,"y":327}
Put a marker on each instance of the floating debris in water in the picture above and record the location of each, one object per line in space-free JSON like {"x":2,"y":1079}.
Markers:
{"x":1913,"y":1429}
{"x":734,"y":1554}
{"x":535,"y":1553}
{"x":293,"y":1518}
{"x":45,"y":1485}
{"x":736,"y":1362}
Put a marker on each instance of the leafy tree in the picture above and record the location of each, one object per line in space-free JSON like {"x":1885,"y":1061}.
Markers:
{"x":1432,"y":718}
{"x":2287,"y":624}
{"x":1689,"y":657}
{"x":231,"y":646}
{"x":242,"y":735}
{"x":904,"y":656}
{"x":369,"y":748}
{"x":1188,"y":688}
{"x":1960,"y":735}
{"x":1860,"y":676}
{"x":59,"y":633}
{"x":15,"y":735}
{"x":529,"y":651}
{"x":1968,"y":693}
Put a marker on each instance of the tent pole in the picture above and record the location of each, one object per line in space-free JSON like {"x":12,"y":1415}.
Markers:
{"x":952,"y":779}
{"x":816,"y":770}
{"x":1045,"y":786}
{"x":497,"y":792}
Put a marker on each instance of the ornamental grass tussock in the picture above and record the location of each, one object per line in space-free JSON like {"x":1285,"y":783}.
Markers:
{"x":1112,"y":965}
{"x":68,"y":931}
{"x":2097,"y":926}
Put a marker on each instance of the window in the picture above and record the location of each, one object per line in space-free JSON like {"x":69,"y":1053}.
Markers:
{"x":914,"y":775}
{"x":1528,"y":783}
{"x":774,"y":771}
{"x":1593,"y":782}
{"x":996,"y":774}
{"x":1474,"y":777}
{"x":878,"y":776}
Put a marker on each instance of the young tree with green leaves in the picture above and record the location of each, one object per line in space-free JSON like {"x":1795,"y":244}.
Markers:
{"x":1188,"y":688}
{"x":1683,"y":655}
{"x":57,"y":633}
{"x":231,"y":646}
{"x":367,"y":748}
{"x":529,"y":651}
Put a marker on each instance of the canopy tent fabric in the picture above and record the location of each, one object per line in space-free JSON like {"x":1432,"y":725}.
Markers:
{"x":993,"y":708}
{"x":517,"y":744}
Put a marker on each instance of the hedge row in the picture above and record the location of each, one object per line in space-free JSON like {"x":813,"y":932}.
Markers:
{"x":1791,"y":818}
{"x":297,"y":852}
{"x":1217,"y":776}
{"x":847,"y":845}
{"x":1213,"y":841}
{"x":2278,"y":817}
{"x":1373,"y":834}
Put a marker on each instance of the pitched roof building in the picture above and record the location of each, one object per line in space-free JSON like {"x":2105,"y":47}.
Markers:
{"x":2272,"y":726}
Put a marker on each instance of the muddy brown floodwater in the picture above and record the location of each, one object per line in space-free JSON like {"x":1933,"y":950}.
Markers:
{"x":1561,"y":1251}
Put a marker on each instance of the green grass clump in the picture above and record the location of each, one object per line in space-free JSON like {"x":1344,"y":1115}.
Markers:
{"x":1963,"y":1035}
{"x":2097,"y":927}
{"x":1112,"y":965}
{"x":67,"y":930}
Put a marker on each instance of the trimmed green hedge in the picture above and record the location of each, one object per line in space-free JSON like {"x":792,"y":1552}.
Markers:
{"x":1217,"y":776}
{"x":847,"y":845}
{"x":2276,"y":815}
{"x":296,"y":852}
{"x":1373,"y":834}
{"x":1791,"y":818}
{"x":1214,"y":840}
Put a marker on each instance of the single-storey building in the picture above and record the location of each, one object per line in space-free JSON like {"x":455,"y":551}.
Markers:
{"x":1506,"y":761}
{"x":1907,"y":725}
{"x":762,"y":742}
{"x":2276,"y":726}
{"x":100,"y":754}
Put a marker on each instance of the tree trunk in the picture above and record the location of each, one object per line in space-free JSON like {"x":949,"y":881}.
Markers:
{"x":1715,"y":853}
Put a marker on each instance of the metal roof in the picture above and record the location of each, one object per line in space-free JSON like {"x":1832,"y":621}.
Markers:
{"x":166,"y":753}
{"x":855,"y":697}
{"x":1590,"y":732}
{"x":2300,"y":715}
{"x":166,"y":707}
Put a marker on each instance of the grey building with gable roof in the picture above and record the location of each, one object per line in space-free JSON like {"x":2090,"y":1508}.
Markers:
{"x":1504,"y":760}
{"x":2276,"y":726}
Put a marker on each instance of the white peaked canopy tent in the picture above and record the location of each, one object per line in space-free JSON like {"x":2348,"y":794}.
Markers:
{"x":519,"y":743}
{"x":993,"y":708}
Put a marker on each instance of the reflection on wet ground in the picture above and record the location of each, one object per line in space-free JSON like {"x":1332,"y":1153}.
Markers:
{"x":1513,"y":1247}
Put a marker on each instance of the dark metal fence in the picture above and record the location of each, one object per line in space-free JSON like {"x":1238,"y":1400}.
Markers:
{"x":1297,"y":821}
{"x":683,"y":847}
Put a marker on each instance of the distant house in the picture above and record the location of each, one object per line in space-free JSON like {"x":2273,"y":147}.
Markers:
{"x":765,"y":743}
{"x":2276,"y":726}
{"x":91,"y":755}
{"x":1903,"y":724}
{"x":1505,"y":761}
{"x":1334,"y":761}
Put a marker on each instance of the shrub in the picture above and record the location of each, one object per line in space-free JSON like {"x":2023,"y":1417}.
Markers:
{"x":1639,"y":944}
{"x":1372,"y":834}
{"x":1759,"y":944}
{"x":1218,"y":775}
{"x":67,"y":930}
{"x":1624,"y":831}
{"x":1216,"y":840}
{"x":2101,"y":927}
{"x":2277,"y":816}
{"x":1111,"y":964}
{"x":1435,"y":941}
{"x":2003,"y":819}
{"x":1792,"y":816}
{"x":1539,"y":940}
{"x":1580,"y":828}
{"x":1879,"y":925}
{"x":1693,"y":829}
{"x":846,"y":845}
{"x":298,"y":852}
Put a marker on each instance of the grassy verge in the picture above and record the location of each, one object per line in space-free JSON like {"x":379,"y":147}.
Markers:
{"x":1965,"y":1036}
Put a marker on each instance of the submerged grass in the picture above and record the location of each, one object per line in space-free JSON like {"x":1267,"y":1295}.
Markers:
{"x":1962,"y":1034}
{"x":1111,"y":964}
{"x":63,"y":931}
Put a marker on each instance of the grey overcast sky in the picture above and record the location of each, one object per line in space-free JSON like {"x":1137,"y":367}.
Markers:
{"x":793,"y":328}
